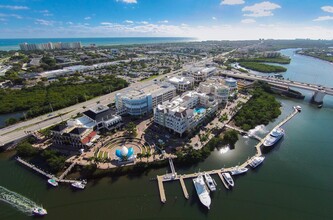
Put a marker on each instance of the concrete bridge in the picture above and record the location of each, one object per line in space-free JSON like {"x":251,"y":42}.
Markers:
{"x":319,"y":91}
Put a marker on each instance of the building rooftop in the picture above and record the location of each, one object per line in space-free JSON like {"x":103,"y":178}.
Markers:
{"x":78,"y":131}
{"x":98,"y":112}
{"x":181,"y":79}
{"x":153,"y":88}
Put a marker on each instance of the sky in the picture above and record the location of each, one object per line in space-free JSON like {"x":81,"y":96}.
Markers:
{"x":202,"y":19}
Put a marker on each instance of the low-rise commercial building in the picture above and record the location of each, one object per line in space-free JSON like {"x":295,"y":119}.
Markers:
{"x":200,"y":74}
{"x":141,"y":101}
{"x":182,"y":83}
{"x":217,"y":88}
{"x":76,"y":137}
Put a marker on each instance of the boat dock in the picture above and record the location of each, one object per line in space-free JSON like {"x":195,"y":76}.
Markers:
{"x":62,"y":176}
{"x":40,"y":171}
{"x":243,"y":132}
{"x":182,"y":183}
{"x":174,"y":176}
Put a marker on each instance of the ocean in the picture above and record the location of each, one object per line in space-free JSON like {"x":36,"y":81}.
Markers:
{"x":13,"y":44}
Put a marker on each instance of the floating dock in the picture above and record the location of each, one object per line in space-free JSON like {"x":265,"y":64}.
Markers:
{"x":174,"y":176}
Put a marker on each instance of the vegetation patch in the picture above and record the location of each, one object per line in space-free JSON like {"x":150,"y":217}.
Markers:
{"x":265,"y":68}
{"x":280,"y":60}
{"x":40,"y":99}
{"x":261,"y":109}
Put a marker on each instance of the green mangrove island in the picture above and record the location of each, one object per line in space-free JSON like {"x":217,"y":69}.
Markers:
{"x":261,"y":109}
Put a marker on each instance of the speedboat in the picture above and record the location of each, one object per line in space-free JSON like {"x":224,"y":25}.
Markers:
{"x":273,"y":137}
{"x":52,"y":182}
{"x":79,"y":184}
{"x":238,"y":170}
{"x":228,"y":178}
{"x":298,"y":108}
{"x":202,"y":191}
{"x":256,"y":161}
{"x":39,"y":211}
{"x":210,"y":182}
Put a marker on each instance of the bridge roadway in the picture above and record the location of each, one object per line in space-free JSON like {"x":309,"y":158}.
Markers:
{"x":20,"y":130}
{"x":279,"y":82}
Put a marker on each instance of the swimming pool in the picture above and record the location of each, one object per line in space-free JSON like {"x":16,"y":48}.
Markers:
{"x":200,"y":110}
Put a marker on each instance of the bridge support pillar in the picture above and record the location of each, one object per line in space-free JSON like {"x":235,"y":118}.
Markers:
{"x":318,"y":97}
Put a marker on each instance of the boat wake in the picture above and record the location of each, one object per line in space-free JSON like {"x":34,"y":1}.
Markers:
{"x":16,"y":200}
{"x":260,"y":129}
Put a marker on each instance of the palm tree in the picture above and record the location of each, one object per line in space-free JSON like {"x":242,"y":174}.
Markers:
{"x":139,"y":156}
{"x":147,"y":155}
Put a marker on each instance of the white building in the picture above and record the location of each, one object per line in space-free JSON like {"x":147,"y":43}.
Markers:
{"x":185,"y":112}
{"x":201,"y":73}
{"x":97,"y":118}
{"x":182,"y":83}
{"x":232,"y":84}
{"x":215,"y":87}
{"x":141,"y":101}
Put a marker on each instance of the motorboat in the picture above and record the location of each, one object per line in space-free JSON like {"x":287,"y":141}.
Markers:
{"x":52,"y":182}
{"x":298,"y":108}
{"x":79,"y":184}
{"x":210,"y":182}
{"x":202,"y":191}
{"x":227,"y":177}
{"x":273,"y":137}
{"x":238,"y":170}
{"x":256,"y":161}
{"x":39,"y":211}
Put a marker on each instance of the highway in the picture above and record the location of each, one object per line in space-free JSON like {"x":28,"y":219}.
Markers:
{"x":19,"y":130}
{"x":279,"y":82}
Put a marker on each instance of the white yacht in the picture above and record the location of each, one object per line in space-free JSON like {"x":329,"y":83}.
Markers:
{"x":39,"y":211}
{"x":79,"y":184}
{"x":52,"y":182}
{"x":228,"y":178}
{"x":238,"y":170}
{"x":210,"y":182}
{"x":202,"y":191}
{"x":273,"y":137}
{"x":256,"y":161}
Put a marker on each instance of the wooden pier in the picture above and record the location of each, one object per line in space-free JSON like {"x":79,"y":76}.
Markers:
{"x":67,"y":171}
{"x":40,"y":171}
{"x":161,"y":188}
{"x":182,"y":183}
{"x":174,"y":176}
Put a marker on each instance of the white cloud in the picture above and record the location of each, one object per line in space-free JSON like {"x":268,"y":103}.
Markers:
{"x":11,"y":15}
{"x":106,"y":23}
{"x":128,"y":21}
{"x":248,"y":21}
{"x":232,"y":2}
{"x":87,"y":18}
{"x":143,"y":22}
{"x":214,"y":18}
{"x":128,"y":1}
{"x":324,"y":18}
{"x":69,"y":23}
{"x":163,"y":22}
{"x":14,"y":7}
{"x":262,"y":9}
{"x":327,"y":9}
{"x":44,"y":22}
